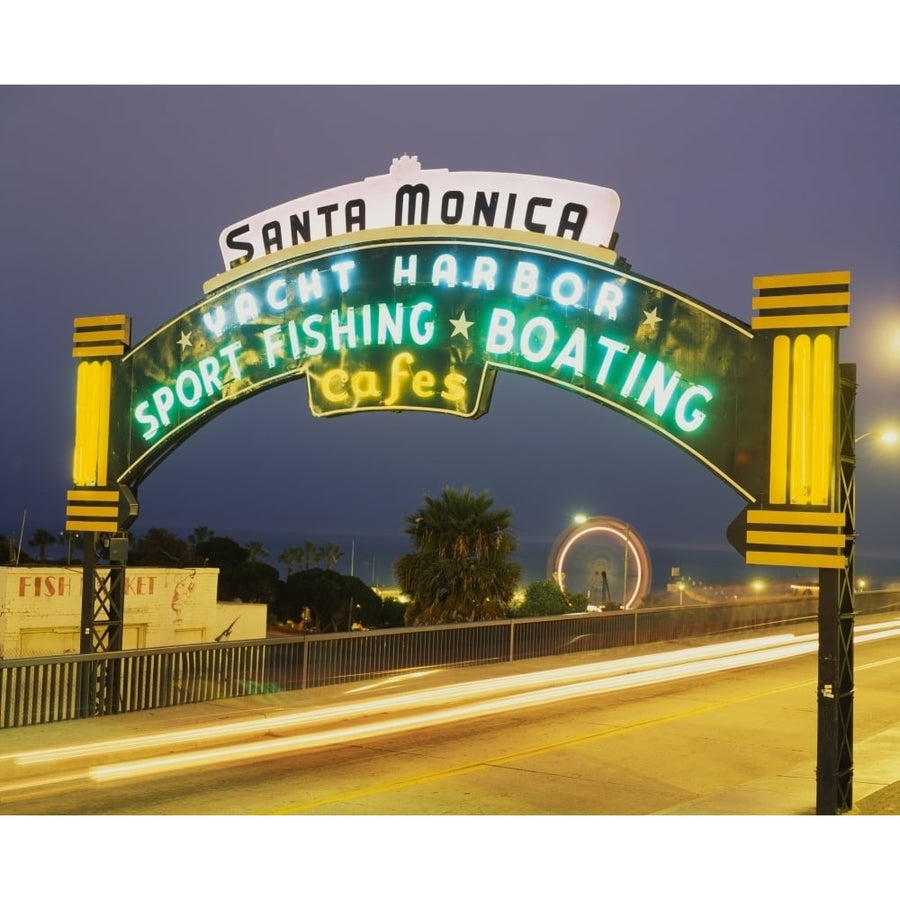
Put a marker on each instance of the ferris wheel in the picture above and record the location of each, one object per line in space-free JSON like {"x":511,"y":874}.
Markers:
{"x":604,"y":559}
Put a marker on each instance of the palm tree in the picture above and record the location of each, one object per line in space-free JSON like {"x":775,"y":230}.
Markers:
{"x":255,"y":551}
{"x":310,"y":554}
{"x":460,"y":571}
{"x":331,"y":553}
{"x":200,"y":535}
{"x":42,"y":539}
{"x":290,"y":557}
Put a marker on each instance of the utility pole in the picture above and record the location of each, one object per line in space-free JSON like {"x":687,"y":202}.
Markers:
{"x":21,"y":535}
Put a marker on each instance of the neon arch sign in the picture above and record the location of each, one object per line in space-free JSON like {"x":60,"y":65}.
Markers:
{"x":518,"y":273}
{"x":410,"y":291}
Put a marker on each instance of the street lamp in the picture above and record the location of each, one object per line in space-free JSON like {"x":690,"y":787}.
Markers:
{"x":885,"y":435}
{"x":681,"y":593}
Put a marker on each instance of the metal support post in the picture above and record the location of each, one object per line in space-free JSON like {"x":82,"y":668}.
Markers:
{"x":102,"y":617}
{"x":834,"y":769}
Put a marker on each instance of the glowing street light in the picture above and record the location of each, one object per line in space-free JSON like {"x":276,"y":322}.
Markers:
{"x":885,"y":435}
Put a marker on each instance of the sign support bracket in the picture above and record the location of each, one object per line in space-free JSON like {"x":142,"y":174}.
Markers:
{"x":102,"y":615}
{"x":834,"y":762}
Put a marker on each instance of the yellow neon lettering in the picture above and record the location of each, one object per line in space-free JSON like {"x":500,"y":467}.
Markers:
{"x":423,"y":384}
{"x":401,"y":367}
{"x":365,"y":385}
{"x":333,"y":386}
{"x":454,"y":387}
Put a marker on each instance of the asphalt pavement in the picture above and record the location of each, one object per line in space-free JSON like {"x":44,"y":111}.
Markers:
{"x":876,"y":775}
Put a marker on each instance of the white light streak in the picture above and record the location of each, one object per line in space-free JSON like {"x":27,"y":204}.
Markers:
{"x":443,"y":705}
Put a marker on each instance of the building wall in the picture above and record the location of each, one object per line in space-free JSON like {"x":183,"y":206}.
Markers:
{"x":40,"y":610}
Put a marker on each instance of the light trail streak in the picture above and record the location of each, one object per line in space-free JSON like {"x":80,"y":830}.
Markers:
{"x":472,"y":710}
{"x":422,"y":697}
{"x":466,"y":701}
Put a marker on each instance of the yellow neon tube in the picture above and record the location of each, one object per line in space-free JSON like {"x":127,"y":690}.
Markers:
{"x":778,"y":451}
{"x":801,"y":411}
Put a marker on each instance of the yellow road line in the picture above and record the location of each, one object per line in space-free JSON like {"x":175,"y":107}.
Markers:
{"x":499,"y":761}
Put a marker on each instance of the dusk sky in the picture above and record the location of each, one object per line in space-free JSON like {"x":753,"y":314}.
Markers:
{"x":113,"y":199}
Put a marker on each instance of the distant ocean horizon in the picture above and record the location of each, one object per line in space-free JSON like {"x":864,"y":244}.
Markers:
{"x":371,"y":558}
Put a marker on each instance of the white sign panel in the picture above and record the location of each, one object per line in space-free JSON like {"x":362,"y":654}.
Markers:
{"x":411,"y":195}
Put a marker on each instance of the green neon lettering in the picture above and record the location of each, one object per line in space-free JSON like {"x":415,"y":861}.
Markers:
{"x":245,"y":308}
{"x":188,"y":388}
{"x":405,"y":272}
{"x":612,"y":348}
{"x":230,"y":353}
{"x":343,"y":269}
{"x":421,"y":331}
{"x":310,"y":329}
{"x":276,"y":294}
{"x":525,"y":279}
{"x":273,"y":341}
{"x":163,"y":400}
{"x":567,"y":289}
{"x":658,"y":389}
{"x":633,"y":374}
{"x":343,"y":328}
{"x":500,"y":331}
{"x":309,"y":287}
{"x":484,"y":273}
{"x":609,"y":299}
{"x":214,"y":320}
{"x":367,"y":332}
{"x":141,"y":413}
{"x":572,"y":356}
{"x":542,"y":351}
{"x":691,"y":420}
{"x":209,"y":373}
{"x":294,"y":338}
{"x":444,"y":271}
{"x":390,"y":326}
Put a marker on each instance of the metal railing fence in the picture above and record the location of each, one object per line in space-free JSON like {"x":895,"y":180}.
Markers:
{"x":51,"y":689}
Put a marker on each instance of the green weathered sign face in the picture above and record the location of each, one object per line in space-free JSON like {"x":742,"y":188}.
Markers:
{"x":424,"y":323}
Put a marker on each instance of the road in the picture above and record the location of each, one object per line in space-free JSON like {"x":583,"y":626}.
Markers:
{"x":664,"y":733}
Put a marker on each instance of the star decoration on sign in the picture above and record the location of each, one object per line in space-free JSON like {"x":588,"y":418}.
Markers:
{"x":185,"y":341}
{"x":461,"y":326}
{"x":651,"y":318}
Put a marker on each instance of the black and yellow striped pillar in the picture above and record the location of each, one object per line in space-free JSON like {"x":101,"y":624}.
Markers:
{"x":97,"y":504}
{"x":801,"y":522}
{"x":93,"y":504}
{"x":98,"y":340}
{"x":808,"y":517}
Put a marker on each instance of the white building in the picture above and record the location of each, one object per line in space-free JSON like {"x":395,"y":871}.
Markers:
{"x":40,"y":610}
